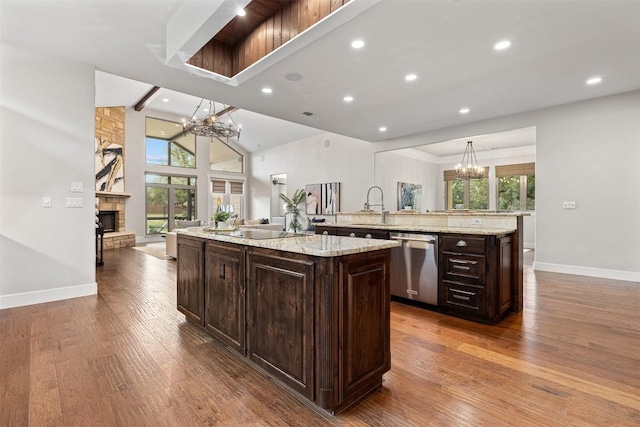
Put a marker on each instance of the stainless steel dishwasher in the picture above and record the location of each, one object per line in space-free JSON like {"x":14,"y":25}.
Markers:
{"x":414,"y":267}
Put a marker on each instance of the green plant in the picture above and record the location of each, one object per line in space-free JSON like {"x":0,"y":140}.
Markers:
{"x":291,"y":204}
{"x":221,"y":216}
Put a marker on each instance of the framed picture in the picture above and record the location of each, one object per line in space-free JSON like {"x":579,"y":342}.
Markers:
{"x":322,"y":199}
{"x":409,"y":196}
{"x":312,"y":198}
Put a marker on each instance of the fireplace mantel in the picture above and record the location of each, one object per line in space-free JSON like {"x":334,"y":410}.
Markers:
{"x":112,"y":194}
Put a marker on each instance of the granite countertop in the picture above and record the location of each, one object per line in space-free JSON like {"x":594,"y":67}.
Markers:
{"x":485,"y":231}
{"x":314,"y":245}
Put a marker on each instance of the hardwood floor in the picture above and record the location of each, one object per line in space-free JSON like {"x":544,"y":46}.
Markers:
{"x":127,"y":357}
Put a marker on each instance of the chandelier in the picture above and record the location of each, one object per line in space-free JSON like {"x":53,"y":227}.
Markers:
{"x":210,"y":125}
{"x":468,"y":168}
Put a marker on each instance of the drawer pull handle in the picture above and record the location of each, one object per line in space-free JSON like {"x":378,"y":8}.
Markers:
{"x":462,"y":261}
{"x":462,"y":297}
{"x":222,"y":272}
{"x":368,"y":236}
{"x":352,"y":235}
{"x":325,"y":233}
{"x":461,"y":243}
{"x":462,"y":292}
{"x":461,"y":267}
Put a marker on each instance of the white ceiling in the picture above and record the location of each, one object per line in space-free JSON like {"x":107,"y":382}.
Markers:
{"x":556,"y":46}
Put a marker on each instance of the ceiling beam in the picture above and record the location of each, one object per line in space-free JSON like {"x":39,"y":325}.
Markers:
{"x":229,"y":109}
{"x":147,"y":98}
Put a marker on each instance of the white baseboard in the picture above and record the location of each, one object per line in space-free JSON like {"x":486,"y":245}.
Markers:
{"x":630,"y":276}
{"x":47,"y":295}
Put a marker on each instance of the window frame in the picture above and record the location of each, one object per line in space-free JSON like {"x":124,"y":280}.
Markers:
{"x":170,"y":141}
{"x":192,"y":186}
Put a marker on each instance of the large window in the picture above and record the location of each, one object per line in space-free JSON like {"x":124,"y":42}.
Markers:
{"x":169,"y":198}
{"x":466,"y":194}
{"x":228,"y":196}
{"x":167,"y":145}
{"x":516,"y":187}
{"x":223,"y":158}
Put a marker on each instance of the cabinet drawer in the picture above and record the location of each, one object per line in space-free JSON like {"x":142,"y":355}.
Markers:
{"x":463,"y":244}
{"x":463,"y":298}
{"x":464,"y":267}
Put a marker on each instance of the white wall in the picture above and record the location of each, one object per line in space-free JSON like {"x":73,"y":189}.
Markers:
{"x":586,"y":152}
{"x":46,"y":142}
{"x":392,"y":167}
{"x":135,"y":167}
{"x":309,"y":161}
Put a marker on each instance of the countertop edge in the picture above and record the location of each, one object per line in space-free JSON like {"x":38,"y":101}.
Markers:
{"x":312,"y":245}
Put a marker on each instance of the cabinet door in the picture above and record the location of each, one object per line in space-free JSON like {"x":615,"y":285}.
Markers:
{"x":280,"y":319}
{"x":190,"y":283}
{"x":225,"y":296}
{"x":365,"y":323}
{"x":505,"y":275}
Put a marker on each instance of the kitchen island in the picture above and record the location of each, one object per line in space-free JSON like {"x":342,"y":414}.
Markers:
{"x":478,"y":257}
{"x":311,"y":312}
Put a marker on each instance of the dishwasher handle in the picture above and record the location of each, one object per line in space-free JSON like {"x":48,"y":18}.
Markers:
{"x":409,"y":239}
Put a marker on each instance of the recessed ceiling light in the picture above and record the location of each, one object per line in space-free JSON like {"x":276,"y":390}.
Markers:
{"x":165,"y":99}
{"x":267,"y":90}
{"x":594,"y":80}
{"x":241,"y":12}
{"x":382,"y":129}
{"x":464,"y":110}
{"x":410,"y":77}
{"x":206,"y":109}
{"x":502,"y":45}
{"x":348,"y":98}
{"x":357,"y":44}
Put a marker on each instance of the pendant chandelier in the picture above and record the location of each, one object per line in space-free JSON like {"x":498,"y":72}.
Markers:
{"x":468,"y":168}
{"x":211,"y":125}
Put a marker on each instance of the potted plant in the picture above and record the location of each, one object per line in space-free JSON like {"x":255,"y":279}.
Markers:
{"x":291,"y":204}
{"x":221,"y":218}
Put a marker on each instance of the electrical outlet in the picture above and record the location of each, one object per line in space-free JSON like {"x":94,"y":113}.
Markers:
{"x":46,"y":202}
{"x":568,"y":205}
{"x":476,"y":221}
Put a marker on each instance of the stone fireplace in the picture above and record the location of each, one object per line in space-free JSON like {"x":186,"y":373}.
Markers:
{"x":111,"y":207}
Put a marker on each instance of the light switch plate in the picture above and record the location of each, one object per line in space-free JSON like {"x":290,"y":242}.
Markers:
{"x":46,"y":202}
{"x":476,"y":221}
{"x":76,"y":187}
{"x":74,"y":202}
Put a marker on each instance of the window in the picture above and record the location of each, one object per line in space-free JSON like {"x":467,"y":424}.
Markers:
{"x":227,"y":195}
{"x":167,"y":145}
{"x":223,"y":158}
{"x":168,"y":198}
{"x":516,"y":187}
{"x":466,"y":194}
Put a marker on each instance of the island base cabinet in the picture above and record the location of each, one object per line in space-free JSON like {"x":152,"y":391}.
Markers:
{"x":280,"y":323}
{"x":225,"y":290}
{"x":476,"y":276}
{"x":319,"y":326}
{"x":365,"y":345}
{"x":190,"y":289}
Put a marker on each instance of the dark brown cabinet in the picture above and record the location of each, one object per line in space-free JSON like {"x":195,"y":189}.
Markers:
{"x":280,"y":323}
{"x":320,"y":326}
{"x":190,"y":289}
{"x":371,"y":233}
{"x":225,"y":291}
{"x":476,"y":276}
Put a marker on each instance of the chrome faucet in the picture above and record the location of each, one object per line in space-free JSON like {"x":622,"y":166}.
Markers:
{"x":368,"y":205}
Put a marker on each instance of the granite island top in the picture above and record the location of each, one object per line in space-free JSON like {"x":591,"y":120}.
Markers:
{"x":313,"y":245}
{"x":485,"y":231}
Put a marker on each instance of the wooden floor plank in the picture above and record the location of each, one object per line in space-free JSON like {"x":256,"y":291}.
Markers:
{"x":127,"y":357}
